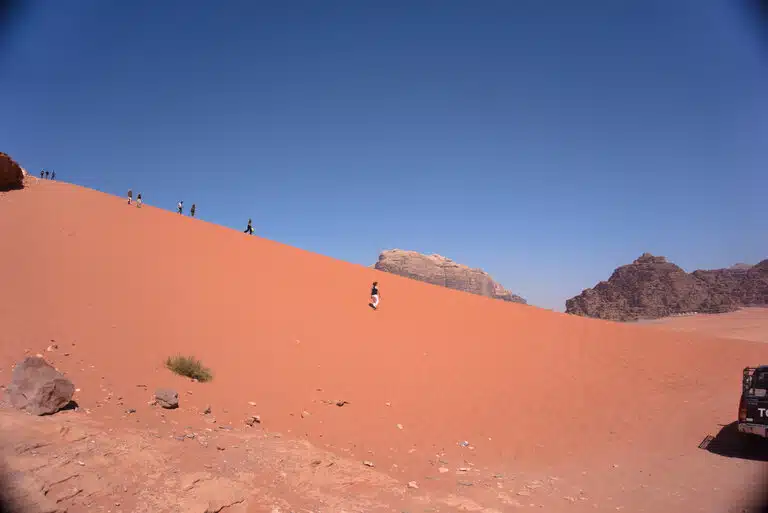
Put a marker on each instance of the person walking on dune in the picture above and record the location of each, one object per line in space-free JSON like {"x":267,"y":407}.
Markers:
{"x":249,"y":228}
{"x":130,"y":196}
{"x":42,"y":174}
{"x":47,"y":174}
{"x":138,"y":201}
{"x":180,"y":207}
{"x":53,"y":175}
{"x":374,"y":295}
{"x":192,"y":210}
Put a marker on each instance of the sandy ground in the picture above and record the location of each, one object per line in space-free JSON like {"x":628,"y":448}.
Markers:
{"x":744,"y":324}
{"x":560,"y":413}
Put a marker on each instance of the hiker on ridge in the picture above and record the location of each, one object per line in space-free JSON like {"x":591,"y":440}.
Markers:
{"x":375,"y":295}
{"x":47,"y":173}
{"x":53,"y":175}
{"x":192,"y":210}
{"x":180,"y":207}
{"x":130,"y":196}
{"x":138,"y":200}
{"x":42,"y":172}
{"x":249,"y":228}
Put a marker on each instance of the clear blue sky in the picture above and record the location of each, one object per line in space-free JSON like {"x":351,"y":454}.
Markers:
{"x":545,"y":142}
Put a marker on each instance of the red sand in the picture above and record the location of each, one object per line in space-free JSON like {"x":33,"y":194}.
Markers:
{"x":617,"y":409}
{"x":744,"y":324}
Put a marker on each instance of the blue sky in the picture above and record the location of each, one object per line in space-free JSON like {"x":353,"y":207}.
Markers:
{"x":545,"y":142}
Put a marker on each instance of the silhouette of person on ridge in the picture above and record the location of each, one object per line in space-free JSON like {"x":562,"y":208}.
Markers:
{"x":180,"y":207}
{"x":47,"y":174}
{"x":249,"y":228}
{"x":192,"y":210}
{"x":53,"y":175}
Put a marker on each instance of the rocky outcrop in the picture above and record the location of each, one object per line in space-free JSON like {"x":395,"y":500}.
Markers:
{"x":38,"y":388}
{"x":650,"y":287}
{"x":439,"y":270}
{"x":11,"y":174}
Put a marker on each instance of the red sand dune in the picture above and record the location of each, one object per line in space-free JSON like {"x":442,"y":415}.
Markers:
{"x":611,"y":406}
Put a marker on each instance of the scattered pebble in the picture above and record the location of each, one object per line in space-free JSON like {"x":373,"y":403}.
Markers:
{"x":305,"y":414}
{"x":341,"y":403}
{"x":207,"y":410}
{"x":368,"y":463}
{"x":251,"y":403}
{"x":130,"y":410}
{"x":399,"y":426}
{"x":253,"y":419}
{"x":413,"y":485}
{"x":464,"y":444}
{"x":387,"y":404}
{"x":443,"y":470}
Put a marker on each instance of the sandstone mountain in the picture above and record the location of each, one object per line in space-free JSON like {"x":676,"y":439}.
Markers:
{"x":650,"y":287}
{"x":11,"y":174}
{"x":439,"y":270}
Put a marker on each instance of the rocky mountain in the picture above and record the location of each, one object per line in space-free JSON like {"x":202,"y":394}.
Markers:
{"x":650,"y":287}
{"x":11,"y":174}
{"x":439,"y":270}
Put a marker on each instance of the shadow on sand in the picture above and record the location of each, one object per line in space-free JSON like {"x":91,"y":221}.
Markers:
{"x":732,"y":444}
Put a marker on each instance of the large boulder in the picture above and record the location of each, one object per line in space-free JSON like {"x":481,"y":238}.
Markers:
{"x":11,"y":174}
{"x":38,"y":388}
{"x":650,"y":287}
{"x":439,"y":270}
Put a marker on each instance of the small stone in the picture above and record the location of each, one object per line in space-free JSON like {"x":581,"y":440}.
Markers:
{"x":81,"y":463}
{"x":52,"y":347}
{"x":524,"y":493}
{"x":316,"y":463}
{"x":413,"y":485}
{"x":443,"y":470}
{"x":305,"y":414}
{"x":387,"y":404}
{"x":253,"y":419}
{"x":167,"y":398}
{"x":130,"y":410}
{"x":251,"y":403}
{"x":399,"y":426}
{"x":341,"y":403}
{"x":368,"y":463}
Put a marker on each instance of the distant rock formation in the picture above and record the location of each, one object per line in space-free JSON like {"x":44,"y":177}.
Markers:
{"x":11,"y":174}
{"x":650,"y":287}
{"x":439,"y":270}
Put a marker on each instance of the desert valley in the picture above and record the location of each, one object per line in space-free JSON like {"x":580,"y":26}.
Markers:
{"x":440,"y":401}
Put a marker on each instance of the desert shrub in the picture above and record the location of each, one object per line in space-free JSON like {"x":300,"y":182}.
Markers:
{"x":188,"y":366}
